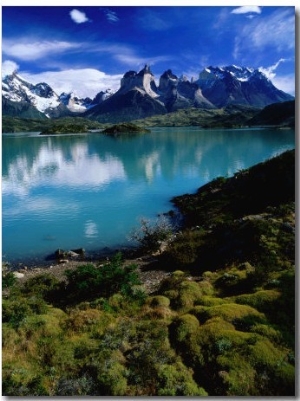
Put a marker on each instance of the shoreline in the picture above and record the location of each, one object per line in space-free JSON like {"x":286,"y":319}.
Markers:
{"x":30,"y":263}
{"x":150,"y":272}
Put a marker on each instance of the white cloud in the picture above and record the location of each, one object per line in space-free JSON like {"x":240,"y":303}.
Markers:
{"x":35,"y":50}
{"x":78,"y":16}
{"x":8,"y":67}
{"x":270,"y":71}
{"x":86,"y":82}
{"x":246,"y":10}
{"x":285,"y":83}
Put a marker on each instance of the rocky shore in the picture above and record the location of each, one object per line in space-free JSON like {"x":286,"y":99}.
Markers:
{"x":150,"y":274}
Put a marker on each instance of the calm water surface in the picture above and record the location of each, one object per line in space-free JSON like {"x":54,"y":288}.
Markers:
{"x":91,"y":190}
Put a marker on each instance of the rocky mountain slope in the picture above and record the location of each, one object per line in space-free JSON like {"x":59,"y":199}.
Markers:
{"x":139,"y":96}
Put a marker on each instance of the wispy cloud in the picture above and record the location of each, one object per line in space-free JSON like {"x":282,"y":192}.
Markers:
{"x":136,"y":61}
{"x":286,"y":82}
{"x":275,"y":31}
{"x":152,"y":20}
{"x":78,"y":17}
{"x":246,"y":10}
{"x":270,"y":71}
{"x":111,"y":15}
{"x":34,"y":50}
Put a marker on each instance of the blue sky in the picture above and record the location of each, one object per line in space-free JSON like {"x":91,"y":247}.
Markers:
{"x":88,"y":49}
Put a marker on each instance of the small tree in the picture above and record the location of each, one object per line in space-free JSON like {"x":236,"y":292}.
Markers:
{"x":151,"y":234}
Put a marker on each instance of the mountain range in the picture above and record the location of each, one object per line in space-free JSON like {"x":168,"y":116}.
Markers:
{"x":139,"y":96}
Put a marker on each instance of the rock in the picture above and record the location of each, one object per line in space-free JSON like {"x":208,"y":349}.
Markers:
{"x":18,"y":274}
{"x":63,"y":261}
{"x":72,"y":254}
{"x":79,"y":251}
{"x":59,"y":253}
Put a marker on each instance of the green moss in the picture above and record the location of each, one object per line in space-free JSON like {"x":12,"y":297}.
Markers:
{"x":260,"y":300}
{"x":177,"y":380}
{"x":112,"y":376}
{"x":230,"y":312}
{"x":82,"y":320}
{"x":214,"y":324}
{"x":207,"y":300}
{"x":183,"y":327}
{"x":158,"y":300}
{"x":267,"y":331}
{"x":236,"y":374}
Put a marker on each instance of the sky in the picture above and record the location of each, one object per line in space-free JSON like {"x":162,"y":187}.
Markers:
{"x":87,"y":49}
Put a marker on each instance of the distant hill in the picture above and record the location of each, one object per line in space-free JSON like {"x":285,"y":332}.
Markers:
{"x":282,"y":114}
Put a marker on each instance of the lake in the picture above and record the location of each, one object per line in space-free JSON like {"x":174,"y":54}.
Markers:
{"x":91,"y":190}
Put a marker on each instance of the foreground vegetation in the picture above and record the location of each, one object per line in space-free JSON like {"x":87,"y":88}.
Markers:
{"x":221,"y":324}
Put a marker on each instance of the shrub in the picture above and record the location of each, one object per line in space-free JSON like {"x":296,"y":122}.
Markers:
{"x":42,"y":285}
{"x":8,"y":280}
{"x":184,"y":250}
{"x":151,"y":235}
{"x":88,"y":282}
{"x":82,"y":320}
{"x":20,"y":381}
{"x":72,"y":386}
{"x":15,"y":311}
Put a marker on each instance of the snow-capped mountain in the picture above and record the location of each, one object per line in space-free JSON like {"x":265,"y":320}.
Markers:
{"x":74,"y":103}
{"x":239,"y":85}
{"x":140,"y":97}
{"x":40,"y":97}
{"x":23,"y":99}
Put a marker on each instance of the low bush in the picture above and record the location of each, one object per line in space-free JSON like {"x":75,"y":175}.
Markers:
{"x":151,"y":234}
{"x":88,"y":282}
{"x":8,"y":280}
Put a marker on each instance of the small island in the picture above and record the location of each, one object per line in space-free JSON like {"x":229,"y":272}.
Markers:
{"x":124,"y":129}
{"x":61,"y":129}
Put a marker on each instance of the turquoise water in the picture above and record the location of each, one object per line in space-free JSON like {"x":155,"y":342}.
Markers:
{"x":91,"y":190}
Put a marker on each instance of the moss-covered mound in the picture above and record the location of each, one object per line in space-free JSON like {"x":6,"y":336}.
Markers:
{"x":222,"y":325}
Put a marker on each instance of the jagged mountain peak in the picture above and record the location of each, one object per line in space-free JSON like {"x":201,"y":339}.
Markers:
{"x":239,"y":85}
{"x":138,"y":95}
{"x":142,"y":81}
